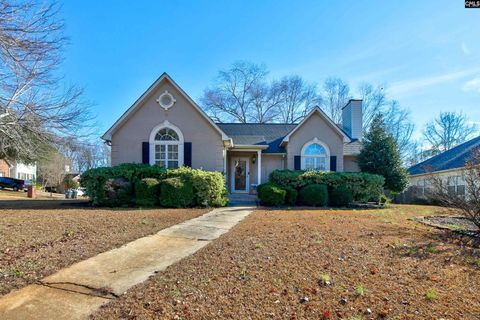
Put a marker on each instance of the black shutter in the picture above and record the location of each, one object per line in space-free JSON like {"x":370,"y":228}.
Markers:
{"x":187,"y":154}
{"x":145,"y":152}
{"x":296,"y":162}
{"x":333,"y":163}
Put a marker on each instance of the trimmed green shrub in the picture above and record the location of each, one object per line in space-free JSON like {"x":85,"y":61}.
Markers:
{"x":208,"y":187}
{"x":118,"y":192}
{"x":364,"y":186}
{"x":146,"y":192}
{"x":177,"y":193}
{"x":290,"y":196}
{"x":315,"y":195}
{"x":271,"y":195}
{"x":340,"y":196}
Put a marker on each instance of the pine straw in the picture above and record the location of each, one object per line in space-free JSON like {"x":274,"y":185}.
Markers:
{"x":35,"y":243}
{"x":267,"y":265}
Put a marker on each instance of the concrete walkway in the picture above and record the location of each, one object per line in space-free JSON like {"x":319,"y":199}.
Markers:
{"x":77,"y":291}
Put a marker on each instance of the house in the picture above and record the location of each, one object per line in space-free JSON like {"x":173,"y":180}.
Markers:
{"x":448,"y":165}
{"x":18,"y":170}
{"x":166,"y":127}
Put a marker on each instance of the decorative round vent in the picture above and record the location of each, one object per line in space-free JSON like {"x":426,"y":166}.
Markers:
{"x":166,"y":100}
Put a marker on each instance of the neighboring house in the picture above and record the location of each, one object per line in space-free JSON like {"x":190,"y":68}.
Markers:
{"x":448,"y":165}
{"x":166,"y":127}
{"x":18,"y":170}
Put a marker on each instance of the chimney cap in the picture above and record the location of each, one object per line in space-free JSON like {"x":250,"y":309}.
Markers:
{"x":350,"y":100}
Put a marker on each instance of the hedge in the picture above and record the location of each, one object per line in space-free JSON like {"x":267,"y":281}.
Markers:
{"x":117,"y":186}
{"x":340,"y":196}
{"x":315,"y":195}
{"x":271,"y":195}
{"x":177,"y":192}
{"x":364,"y":186}
{"x":147,"y":192}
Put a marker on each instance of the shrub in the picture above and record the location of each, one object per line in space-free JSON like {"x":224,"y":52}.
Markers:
{"x":340,"y":196}
{"x":271,"y":195}
{"x":290,"y":196}
{"x":146,"y":192}
{"x":118,"y":192}
{"x":364,"y":186}
{"x":177,"y":193}
{"x":314,"y":195}
{"x":384,"y":200}
{"x":209,"y":187}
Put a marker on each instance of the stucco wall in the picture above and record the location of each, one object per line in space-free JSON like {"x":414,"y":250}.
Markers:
{"x":207,"y":146}
{"x":317,"y":127}
{"x":271,"y":163}
{"x":350,"y":164}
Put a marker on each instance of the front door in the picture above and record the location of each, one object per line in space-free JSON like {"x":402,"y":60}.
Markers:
{"x":240,"y":174}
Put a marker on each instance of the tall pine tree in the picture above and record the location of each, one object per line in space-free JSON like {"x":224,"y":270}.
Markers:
{"x":380,"y":155}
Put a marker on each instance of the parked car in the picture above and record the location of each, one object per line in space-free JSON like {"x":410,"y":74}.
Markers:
{"x":81,"y":192}
{"x":12,"y":183}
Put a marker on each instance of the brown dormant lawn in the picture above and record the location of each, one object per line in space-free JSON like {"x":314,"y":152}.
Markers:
{"x":317,"y":264}
{"x":37,"y":242}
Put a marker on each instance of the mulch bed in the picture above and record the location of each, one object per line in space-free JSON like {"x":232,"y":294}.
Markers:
{"x":381,"y":264}
{"x":35,"y":243}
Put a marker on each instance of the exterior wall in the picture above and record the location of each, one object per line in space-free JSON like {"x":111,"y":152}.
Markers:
{"x":350,"y":164}
{"x":317,"y":127}
{"x":207,"y":145}
{"x":271,"y":163}
{"x":4,"y":169}
{"x":23,"y":171}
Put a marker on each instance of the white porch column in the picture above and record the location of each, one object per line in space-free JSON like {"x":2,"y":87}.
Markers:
{"x":259,"y":162}
{"x":225,"y":164}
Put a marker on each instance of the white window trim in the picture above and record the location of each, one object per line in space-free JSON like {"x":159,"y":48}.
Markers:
{"x":153,"y":142}
{"x":304,"y":156}
{"x":172,"y":99}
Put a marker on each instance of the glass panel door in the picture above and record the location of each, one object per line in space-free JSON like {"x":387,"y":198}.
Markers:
{"x":240,"y":174}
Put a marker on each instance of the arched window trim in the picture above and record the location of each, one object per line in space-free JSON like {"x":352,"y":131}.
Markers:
{"x":304,"y":156}
{"x":179,"y":142}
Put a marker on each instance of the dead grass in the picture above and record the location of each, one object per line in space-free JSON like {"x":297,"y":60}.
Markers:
{"x":35,"y":243}
{"x":309,"y":264}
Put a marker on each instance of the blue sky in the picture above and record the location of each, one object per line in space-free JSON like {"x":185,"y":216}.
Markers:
{"x":427,"y":53}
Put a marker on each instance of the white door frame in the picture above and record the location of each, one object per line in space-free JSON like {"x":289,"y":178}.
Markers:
{"x":232,"y":175}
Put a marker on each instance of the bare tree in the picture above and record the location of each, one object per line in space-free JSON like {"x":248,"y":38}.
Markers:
{"x":51,"y":171}
{"x":297,"y":98}
{"x":235,"y":91}
{"x":34,"y":107}
{"x":374,"y":101}
{"x":84,"y":154}
{"x":399,"y":125}
{"x":468,"y":202}
{"x":336,"y":94}
{"x":447,"y":131}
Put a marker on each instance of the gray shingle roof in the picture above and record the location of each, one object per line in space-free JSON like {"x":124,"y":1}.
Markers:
{"x":450,"y":159}
{"x":270,"y":134}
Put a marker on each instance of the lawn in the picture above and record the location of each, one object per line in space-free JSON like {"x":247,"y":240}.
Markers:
{"x":37,"y":242}
{"x":309,"y":264}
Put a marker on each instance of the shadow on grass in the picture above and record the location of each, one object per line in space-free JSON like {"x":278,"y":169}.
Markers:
{"x":44,"y":204}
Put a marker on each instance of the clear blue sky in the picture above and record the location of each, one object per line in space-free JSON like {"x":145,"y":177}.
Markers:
{"x":426,"y":52}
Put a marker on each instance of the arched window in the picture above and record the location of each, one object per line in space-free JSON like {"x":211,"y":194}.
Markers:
{"x":315,"y":156}
{"x":166,"y":146}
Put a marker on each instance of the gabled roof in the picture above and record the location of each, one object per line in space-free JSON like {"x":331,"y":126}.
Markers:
{"x":270,"y":134}
{"x":108,"y":135}
{"x":322,"y":114}
{"x":450,"y":159}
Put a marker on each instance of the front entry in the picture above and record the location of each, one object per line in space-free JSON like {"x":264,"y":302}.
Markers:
{"x":240,"y":174}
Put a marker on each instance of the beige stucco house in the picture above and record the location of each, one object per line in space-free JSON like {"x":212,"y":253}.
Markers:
{"x":166,"y":127}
